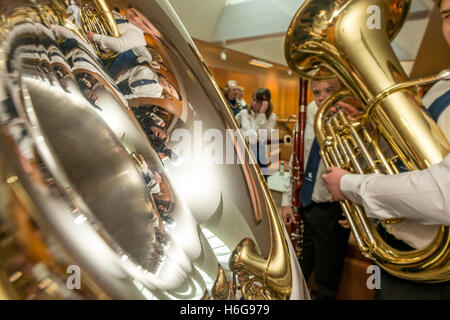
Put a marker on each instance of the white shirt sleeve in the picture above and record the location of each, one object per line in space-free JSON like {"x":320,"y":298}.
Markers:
{"x":286,"y":197}
{"x":245,"y":122}
{"x":73,"y":9}
{"x":256,"y":127}
{"x":263,"y":123}
{"x":423,"y":196}
{"x":130,"y":37}
{"x":153,"y":90}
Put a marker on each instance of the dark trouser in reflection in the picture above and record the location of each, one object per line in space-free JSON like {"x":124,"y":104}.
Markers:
{"x":124,"y":87}
{"x":324,"y":247}
{"x":394,"y":288}
{"x":260,"y":152}
{"x":68,"y":45}
{"x":124,"y":61}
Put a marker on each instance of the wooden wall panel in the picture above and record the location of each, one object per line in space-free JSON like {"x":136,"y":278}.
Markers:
{"x":284,"y":87}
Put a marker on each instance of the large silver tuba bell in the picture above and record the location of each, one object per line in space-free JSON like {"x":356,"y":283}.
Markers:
{"x":108,"y":188}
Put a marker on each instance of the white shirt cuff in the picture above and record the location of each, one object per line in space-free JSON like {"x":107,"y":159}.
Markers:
{"x":350,"y":186}
{"x":286,"y":199}
{"x":97,"y":37}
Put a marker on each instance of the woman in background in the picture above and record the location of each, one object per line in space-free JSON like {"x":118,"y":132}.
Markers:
{"x":258,"y":122}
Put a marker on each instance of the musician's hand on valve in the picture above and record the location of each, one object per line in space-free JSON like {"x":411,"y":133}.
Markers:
{"x":288,"y":215}
{"x":350,"y":110}
{"x":332,"y":182}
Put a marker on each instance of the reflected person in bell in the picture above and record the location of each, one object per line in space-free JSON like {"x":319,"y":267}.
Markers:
{"x":74,"y":11}
{"x":231,"y":91}
{"x":131,"y":45}
{"x":324,"y":239}
{"x":152,"y":180}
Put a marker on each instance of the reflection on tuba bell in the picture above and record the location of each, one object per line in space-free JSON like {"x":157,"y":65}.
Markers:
{"x":96,"y":17}
{"x":92,"y":16}
{"x":392,"y":133}
{"x":99,"y":196}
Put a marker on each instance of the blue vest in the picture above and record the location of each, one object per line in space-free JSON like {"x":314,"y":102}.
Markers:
{"x":439,"y":105}
{"x":309,"y":180}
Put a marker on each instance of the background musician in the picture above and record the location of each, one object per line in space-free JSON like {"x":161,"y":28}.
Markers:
{"x":324,"y":240}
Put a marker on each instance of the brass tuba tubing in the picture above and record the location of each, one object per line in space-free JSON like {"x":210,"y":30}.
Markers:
{"x":443,"y":75}
{"x":369,"y":242}
{"x":332,"y":35}
{"x":333,"y":147}
{"x":274,"y":271}
{"x":373,"y":142}
{"x":353,"y":213}
{"x":359,"y":142}
{"x":332,"y":158}
{"x":97,"y":19}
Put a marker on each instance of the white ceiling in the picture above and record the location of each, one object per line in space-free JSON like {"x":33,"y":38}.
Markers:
{"x":255,"y":18}
{"x":257,"y":27}
{"x":200,"y":17}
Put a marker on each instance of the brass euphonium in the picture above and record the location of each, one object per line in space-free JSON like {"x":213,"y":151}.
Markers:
{"x":392,"y":132}
{"x":96,"y":205}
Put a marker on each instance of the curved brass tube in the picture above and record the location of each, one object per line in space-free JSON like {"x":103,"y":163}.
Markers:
{"x":430,"y":264}
{"x":221,"y":288}
{"x":274,"y":272}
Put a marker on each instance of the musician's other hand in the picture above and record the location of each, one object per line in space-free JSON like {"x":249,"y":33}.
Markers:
{"x":288,"y":215}
{"x":332,"y":182}
{"x":90,"y":36}
{"x":344,"y":222}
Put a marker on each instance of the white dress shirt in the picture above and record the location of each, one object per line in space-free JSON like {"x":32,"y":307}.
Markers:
{"x":141,"y":72}
{"x":423,"y":196}
{"x":130,"y":37}
{"x":320,"y":192}
{"x":63,"y":32}
{"x":256,"y":126}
